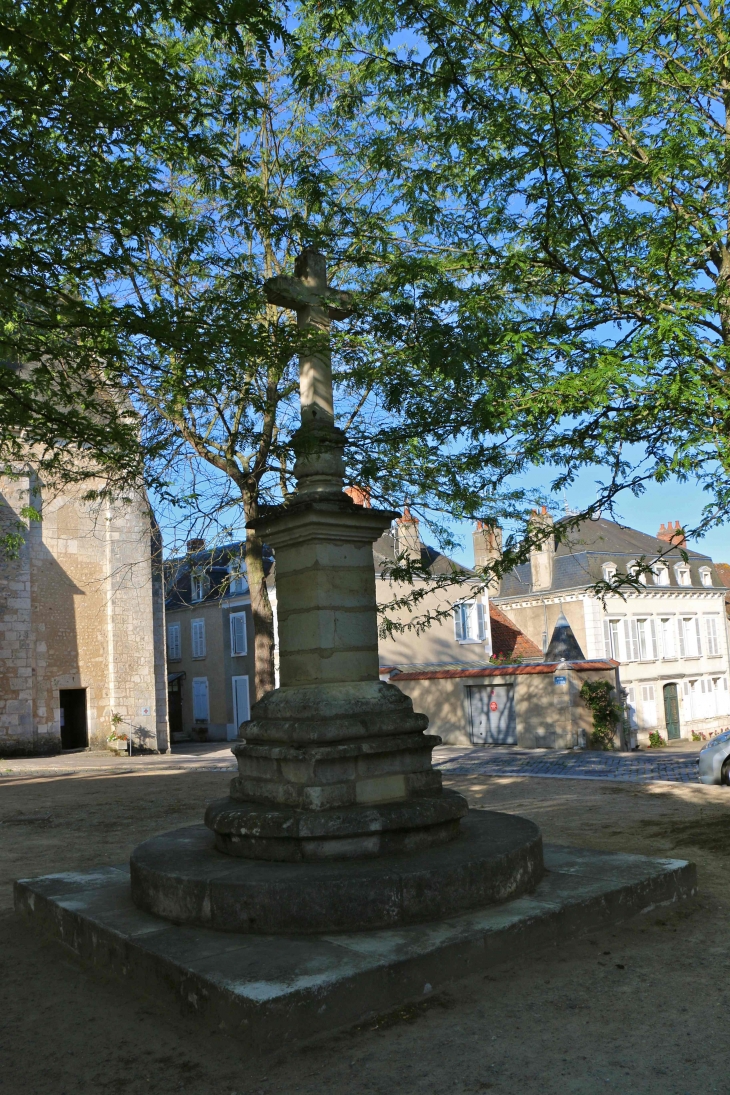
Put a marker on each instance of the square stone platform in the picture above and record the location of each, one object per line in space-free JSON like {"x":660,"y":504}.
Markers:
{"x":269,"y":990}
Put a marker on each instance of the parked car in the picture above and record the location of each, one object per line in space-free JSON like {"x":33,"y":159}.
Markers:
{"x":714,"y":760}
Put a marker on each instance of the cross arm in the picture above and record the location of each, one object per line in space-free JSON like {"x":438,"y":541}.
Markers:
{"x":288,"y":292}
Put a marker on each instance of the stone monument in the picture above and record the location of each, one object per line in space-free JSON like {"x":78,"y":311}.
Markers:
{"x":336,"y":819}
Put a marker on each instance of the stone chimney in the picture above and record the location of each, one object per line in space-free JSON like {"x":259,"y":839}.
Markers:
{"x":487,"y":539}
{"x":408,"y":542}
{"x":196,"y":544}
{"x":359,"y":495}
{"x":542,"y":555}
{"x":672,"y":534}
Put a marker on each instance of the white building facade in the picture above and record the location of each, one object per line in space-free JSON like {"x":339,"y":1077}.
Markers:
{"x":670,"y":635}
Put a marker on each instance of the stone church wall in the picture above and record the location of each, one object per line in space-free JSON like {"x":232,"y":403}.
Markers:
{"x":80,"y":607}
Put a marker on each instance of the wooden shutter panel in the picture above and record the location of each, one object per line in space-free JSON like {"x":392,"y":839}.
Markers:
{"x":458,"y":622}
{"x":480,"y":621}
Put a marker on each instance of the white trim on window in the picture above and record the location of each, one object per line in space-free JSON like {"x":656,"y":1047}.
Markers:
{"x":682,"y":574}
{"x":241,"y":703}
{"x":238,"y":634}
{"x":469,"y":626}
{"x":706,"y":576}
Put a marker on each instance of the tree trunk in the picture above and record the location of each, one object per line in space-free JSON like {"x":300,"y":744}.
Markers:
{"x":263,"y":616}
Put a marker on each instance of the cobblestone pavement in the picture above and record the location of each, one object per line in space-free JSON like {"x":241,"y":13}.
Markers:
{"x":621,"y":767}
{"x":644,"y":767}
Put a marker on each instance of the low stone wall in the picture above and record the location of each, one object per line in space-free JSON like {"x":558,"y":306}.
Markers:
{"x":548,"y":710}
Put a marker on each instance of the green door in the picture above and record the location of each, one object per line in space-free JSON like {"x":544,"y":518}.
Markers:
{"x":671,"y":710}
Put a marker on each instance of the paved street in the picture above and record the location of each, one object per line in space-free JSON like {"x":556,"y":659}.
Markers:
{"x":676,"y":763}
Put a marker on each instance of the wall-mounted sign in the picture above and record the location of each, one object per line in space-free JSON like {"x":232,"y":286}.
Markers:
{"x":144,"y":711}
{"x":560,"y":680}
{"x":493,"y":705}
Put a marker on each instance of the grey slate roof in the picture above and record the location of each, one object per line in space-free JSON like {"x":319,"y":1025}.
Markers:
{"x":214,"y":562}
{"x":579,"y":560}
{"x":564,"y":646}
{"x":384,"y":550}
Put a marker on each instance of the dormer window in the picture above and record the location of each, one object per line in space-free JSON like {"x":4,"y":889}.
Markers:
{"x":706,"y":576}
{"x":237,"y":576}
{"x":198,"y":585}
{"x":661,"y":574}
{"x":635,"y":571}
{"x":682,"y":574}
{"x":609,"y":572}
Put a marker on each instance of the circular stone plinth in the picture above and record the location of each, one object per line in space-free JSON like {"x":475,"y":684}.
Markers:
{"x":183,"y":878}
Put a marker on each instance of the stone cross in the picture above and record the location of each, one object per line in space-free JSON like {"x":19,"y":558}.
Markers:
{"x":316,"y":305}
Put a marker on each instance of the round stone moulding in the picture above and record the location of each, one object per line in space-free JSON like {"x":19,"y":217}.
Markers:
{"x":182,"y":877}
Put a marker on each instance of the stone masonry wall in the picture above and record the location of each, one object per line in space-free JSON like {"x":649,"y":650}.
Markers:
{"x":77,"y":610}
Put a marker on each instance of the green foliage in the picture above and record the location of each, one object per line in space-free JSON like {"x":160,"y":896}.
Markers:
{"x":656,"y":741}
{"x":606,"y":714}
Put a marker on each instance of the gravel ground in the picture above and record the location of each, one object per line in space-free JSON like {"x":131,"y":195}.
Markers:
{"x":641,"y":1010}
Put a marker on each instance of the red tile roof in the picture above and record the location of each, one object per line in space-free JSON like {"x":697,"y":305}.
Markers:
{"x":507,"y":639}
{"x":502,"y":670}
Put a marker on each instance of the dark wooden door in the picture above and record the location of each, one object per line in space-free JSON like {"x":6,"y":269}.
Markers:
{"x":671,"y":710}
{"x":174,"y":708}
{"x":74,"y":730}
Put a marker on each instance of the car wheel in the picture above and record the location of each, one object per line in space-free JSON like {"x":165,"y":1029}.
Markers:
{"x":725,"y":772}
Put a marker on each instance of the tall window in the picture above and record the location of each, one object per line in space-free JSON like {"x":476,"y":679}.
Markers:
{"x":200,"y":699}
{"x":174,"y":652}
{"x":238,"y":633}
{"x":646,"y":639}
{"x":197,"y":635}
{"x":712,"y":635}
{"x":648,"y":705}
{"x":631,"y":707}
{"x":469,"y":622}
{"x":682,"y":574}
{"x":706,"y":576}
{"x":631,"y":640}
{"x":611,"y":639}
{"x":722,"y":696}
{"x":198,"y":586}
{"x":237,"y":576}
{"x":666,"y":629}
{"x":690,"y":643}
{"x":661,"y":574}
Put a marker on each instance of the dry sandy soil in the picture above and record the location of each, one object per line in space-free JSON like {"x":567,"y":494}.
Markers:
{"x":643,"y":1009}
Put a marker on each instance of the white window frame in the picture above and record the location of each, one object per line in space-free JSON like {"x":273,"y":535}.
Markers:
{"x":712,"y":635}
{"x":612,"y":638}
{"x":661,"y":574}
{"x":239,"y":638}
{"x":609,"y":572}
{"x":469,"y":622}
{"x":174,"y":642}
{"x":240,"y":716}
{"x":198,"y":586}
{"x":198,"y":706}
{"x":197,"y":638}
{"x":648,"y":706}
{"x":682,"y":571}
{"x":668,"y":631}
{"x":237,"y":577}
{"x":706,"y":576}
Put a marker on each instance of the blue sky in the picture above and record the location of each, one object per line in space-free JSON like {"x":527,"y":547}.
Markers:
{"x":660,"y":503}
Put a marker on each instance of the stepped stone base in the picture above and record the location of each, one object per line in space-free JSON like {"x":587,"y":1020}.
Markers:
{"x":181,"y":876}
{"x":334,"y":771}
{"x":271,"y":991}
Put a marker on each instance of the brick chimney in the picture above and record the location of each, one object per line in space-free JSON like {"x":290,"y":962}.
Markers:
{"x":194,"y":545}
{"x":407,"y":539}
{"x":541,"y":556}
{"x":487,"y":539}
{"x":359,"y":495}
{"x":672,"y":534}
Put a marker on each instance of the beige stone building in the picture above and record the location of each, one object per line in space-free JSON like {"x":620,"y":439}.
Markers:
{"x":81,"y":623}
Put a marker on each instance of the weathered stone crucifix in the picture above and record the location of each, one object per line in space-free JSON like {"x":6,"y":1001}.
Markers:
{"x":316,"y":305}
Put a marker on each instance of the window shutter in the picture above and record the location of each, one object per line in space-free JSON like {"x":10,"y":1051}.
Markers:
{"x":242,"y":711}
{"x":682,"y":644}
{"x":627,"y":640}
{"x":698,"y":635}
{"x":459,"y":623}
{"x":480,"y":621}
{"x":238,"y":633}
{"x":173,"y":642}
{"x":607,"y":638}
{"x":654,"y":651}
{"x":198,"y":637}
